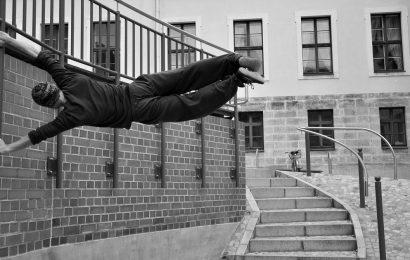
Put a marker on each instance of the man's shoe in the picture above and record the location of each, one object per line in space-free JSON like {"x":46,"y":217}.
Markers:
{"x":250,"y":63}
{"x":249,"y":77}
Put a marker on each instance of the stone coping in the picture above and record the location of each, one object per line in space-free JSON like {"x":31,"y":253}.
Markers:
{"x":238,"y":244}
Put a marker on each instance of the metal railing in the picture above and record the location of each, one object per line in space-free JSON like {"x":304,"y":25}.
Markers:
{"x":362,"y":188}
{"x":120,"y":47}
{"x":362,"y":129}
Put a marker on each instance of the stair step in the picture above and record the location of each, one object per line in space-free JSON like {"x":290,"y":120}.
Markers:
{"x":294,"y":203}
{"x":281,"y":192}
{"x":259,"y":173}
{"x":258,"y":182}
{"x":324,"y":228}
{"x":283,"y":182}
{"x":319,"y":255}
{"x":315,"y":243}
{"x":301,"y":215}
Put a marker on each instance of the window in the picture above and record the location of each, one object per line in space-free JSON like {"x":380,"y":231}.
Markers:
{"x":51,"y":36}
{"x":321,"y":118}
{"x":387,"y":42}
{"x":253,"y":129}
{"x":104,"y":45}
{"x":182,"y":55}
{"x":317,"y":46}
{"x":248,"y":39}
{"x":393,"y":126}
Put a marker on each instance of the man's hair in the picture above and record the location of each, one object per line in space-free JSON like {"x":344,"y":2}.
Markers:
{"x":44,"y":95}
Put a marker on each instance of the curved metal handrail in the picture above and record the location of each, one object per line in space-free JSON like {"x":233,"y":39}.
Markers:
{"x":345,"y":146}
{"x":363,"y":129}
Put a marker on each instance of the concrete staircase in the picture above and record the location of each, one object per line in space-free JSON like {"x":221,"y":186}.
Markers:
{"x":298,"y":221}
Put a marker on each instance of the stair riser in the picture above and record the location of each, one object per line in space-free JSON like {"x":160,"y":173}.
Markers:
{"x":265,"y":193}
{"x":256,"y":174}
{"x":267,"y":182}
{"x":333,"y":230}
{"x":284,"y":217}
{"x":285,"y":182}
{"x":257,"y":182}
{"x":290,"y":192}
{"x":299,"y":192}
{"x":293,"y":203}
{"x":317,"y":245}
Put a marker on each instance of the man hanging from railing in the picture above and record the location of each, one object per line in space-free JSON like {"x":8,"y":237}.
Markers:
{"x":171,"y":96}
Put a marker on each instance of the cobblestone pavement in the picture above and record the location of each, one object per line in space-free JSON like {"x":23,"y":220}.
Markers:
{"x":396,"y":209}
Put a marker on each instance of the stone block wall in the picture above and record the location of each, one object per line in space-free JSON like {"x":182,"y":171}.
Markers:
{"x":35,"y":215}
{"x":283,"y":115}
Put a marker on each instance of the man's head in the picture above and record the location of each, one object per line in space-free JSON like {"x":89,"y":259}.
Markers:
{"x":45,"y":94}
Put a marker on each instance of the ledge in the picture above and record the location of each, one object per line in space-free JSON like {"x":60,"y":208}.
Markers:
{"x":238,"y":244}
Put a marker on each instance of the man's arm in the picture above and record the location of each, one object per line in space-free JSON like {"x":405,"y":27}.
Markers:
{"x":18,"y":145}
{"x":19,"y":48}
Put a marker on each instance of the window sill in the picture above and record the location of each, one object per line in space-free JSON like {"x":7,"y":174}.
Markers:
{"x":322,"y":149}
{"x":395,"y":148}
{"x":310,"y":77}
{"x":254,"y":151}
{"x":389,"y":74}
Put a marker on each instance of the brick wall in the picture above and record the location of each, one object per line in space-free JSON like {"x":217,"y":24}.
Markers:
{"x":282,"y":115}
{"x":34,"y":214}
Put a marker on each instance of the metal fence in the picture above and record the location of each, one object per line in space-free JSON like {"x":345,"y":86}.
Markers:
{"x":101,"y":38}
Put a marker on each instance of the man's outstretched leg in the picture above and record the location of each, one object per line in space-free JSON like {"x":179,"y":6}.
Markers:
{"x":196,"y":75}
{"x":183,"y":107}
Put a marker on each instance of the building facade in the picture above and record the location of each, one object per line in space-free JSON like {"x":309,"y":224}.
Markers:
{"x":327,"y":63}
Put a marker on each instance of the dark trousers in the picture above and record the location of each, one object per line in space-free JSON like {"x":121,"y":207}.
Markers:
{"x":163,"y":97}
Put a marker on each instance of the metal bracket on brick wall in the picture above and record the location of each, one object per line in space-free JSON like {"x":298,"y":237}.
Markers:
{"x":198,"y":128}
{"x":109,"y":169}
{"x":233,"y":173}
{"x":232,"y":132}
{"x":52,"y":166}
{"x":158,"y":171}
{"x":199,"y":173}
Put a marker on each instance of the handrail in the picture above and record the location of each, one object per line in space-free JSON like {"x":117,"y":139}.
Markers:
{"x":364,"y":129}
{"x":342,"y":144}
{"x":124,"y":50}
{"x":171,"y":26}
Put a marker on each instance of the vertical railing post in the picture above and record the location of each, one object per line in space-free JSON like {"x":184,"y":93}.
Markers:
{"x":307,"y":147}
{"x":2,"y":51}
{"x":361,"y":180}
{"x":236,"y":140}
{"x":59,"y":176}
{"x":163,"y":146}
{"x":203,"y":152}
{"x":380,"y":221}
{"x":117,"y":81}
{"x":160,"y":169}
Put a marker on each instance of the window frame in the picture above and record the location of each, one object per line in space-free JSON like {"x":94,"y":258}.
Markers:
{"x":66,"y":37}
{"x":386,"y":42}
{"x":105,"y":50}
{"x":249,"y":124}
{"x":405,"y":39}
{"x":320,"y":124}
{"x":334,"y":35}
{"x":317,"y":45}
{"x":265,"y":31}
{"x":248,"y":47}
{"x":392,"y":121}
{"x":179,"y":51}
